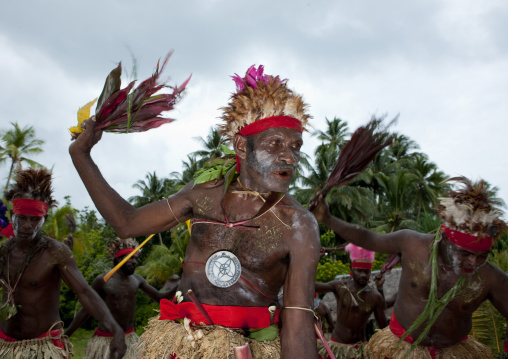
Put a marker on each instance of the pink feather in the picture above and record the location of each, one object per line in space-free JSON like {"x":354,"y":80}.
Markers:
{"x":359,"y":254}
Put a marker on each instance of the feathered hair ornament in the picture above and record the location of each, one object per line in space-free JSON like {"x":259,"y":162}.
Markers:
{"x":125,"y":111}
{"x":259,"y":96}
{"x":359,"y":254}
{"x":470,"y":210}
{"x":35,"y":184}
{"x":119,"y":247}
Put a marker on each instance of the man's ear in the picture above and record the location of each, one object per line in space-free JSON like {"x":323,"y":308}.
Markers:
{"x":240,"y":146}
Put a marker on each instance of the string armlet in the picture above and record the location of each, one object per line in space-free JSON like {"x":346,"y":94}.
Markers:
{"x":167,"y":200}
{"x":303,"y":308}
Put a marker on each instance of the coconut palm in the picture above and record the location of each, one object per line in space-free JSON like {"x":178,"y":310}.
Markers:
{"x":153,"y":190}
{"x":211,"y":145}
{"x":17,"y":144}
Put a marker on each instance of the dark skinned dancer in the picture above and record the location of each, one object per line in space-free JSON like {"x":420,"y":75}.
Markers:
{"x":356,"y":301}
{"x":459,"y":251}
{"x":32,"y":268}
{"x":249,"y":259}
{"x":119,"y":294}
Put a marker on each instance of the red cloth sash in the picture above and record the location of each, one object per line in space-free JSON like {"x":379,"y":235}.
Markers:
{"x":100,"y":333}
{"x":123,"y":252}
{"x":7,"y":231}
{"x":227,"y":316}
{"x":467,"y":241}
{"x":54,"y":333}
{"x":399,"y":331}
{"x":30,"y":207}
{"x":361,"y":265}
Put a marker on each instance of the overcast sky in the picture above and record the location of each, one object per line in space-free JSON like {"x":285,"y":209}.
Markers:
{"x":441,"y":65}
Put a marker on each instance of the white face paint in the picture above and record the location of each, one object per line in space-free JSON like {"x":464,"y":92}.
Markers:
{"x":26,"y":227}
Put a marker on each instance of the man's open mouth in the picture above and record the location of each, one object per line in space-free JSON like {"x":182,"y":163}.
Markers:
{"x":467,"y":270}
{"x":284,"y":173}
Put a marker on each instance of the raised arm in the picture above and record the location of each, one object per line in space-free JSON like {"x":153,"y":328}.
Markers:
{"x":325,"y":287}
{"x":120,"y":214}
{"x":154,"y":293}
{"x":89,"y":298}
{"x":298,"y":338}
{"x":383,"y":243}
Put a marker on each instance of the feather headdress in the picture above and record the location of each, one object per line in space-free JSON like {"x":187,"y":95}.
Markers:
{"x":359,"y":254}
{"x":34,"y":184}
{"x":116,"y":245}
{"x":470,"y":210}
{"x":260,"y":96}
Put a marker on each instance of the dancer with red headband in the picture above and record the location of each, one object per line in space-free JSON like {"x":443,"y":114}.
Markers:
{"x":356,"y":301}
{"x":119,"y":294}
{"x":249,"y":237}
{"x":32,"y":267}
{"x":444,"y":277}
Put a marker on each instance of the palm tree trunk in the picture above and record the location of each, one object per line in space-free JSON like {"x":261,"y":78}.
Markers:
{"x":9,"y":177}
{"x":160,"y":239}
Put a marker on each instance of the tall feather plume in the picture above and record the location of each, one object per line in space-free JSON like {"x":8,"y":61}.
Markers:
{"x":357,"y":253}
{"x":470,"y":209}
{"x":33,"y":184}
{"x":365,"y":143}
{"x":259,"y":96}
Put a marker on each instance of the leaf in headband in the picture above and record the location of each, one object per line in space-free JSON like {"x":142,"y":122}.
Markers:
{"x":112,"y":85}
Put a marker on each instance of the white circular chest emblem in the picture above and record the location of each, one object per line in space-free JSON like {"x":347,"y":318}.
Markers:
{"x":223,"y":269}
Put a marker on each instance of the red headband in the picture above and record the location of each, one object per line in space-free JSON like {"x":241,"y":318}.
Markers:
{"x":30,"y":207}
{"x":362,"y":265}
{"x":467,"y":241}
{"x":271,"y":122}
{"x":266,"y":123}
{"x":123,"y":252}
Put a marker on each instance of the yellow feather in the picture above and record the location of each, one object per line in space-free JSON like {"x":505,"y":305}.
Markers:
{"x":83,"y":114}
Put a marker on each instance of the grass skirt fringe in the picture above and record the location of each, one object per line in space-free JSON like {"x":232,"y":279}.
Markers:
{"x":163,"y":338}
{"x":384,"y":344}
{"x":98,"y":347}
{"x":343,"y":351}
{"x":36,"y":348}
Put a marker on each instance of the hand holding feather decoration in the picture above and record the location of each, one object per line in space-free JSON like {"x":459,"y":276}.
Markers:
{"x":133,"y":110}
{"x":365,"y":143}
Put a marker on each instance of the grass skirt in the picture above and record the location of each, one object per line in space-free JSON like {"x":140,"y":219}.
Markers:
{"x":342,"y":351}
{"x":36,"y":348}
{"x":385,"y":344}
{"x":164,"y":338}
{"x":98,"y":347}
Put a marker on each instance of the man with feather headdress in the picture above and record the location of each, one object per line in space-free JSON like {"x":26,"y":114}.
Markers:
{"x":32,"y":267}
{"x":356,"y":301}
{"x":444,"y":277}
{"x":249,"y":238}
{"x":119,"y":294}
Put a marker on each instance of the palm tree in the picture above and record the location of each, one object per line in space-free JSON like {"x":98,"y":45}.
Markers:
{"x":189,"y":169}
{"x":17,"y":144}
{"x":335,"y":134}
{"x":153,"y":190}
{"x":211,"y":145}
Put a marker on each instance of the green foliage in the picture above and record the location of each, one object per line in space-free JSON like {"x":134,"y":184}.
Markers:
{"x":162,"y":262}
{"x":489,"y":326}
{"x":145,"y":309}
{"x":328,"y":269}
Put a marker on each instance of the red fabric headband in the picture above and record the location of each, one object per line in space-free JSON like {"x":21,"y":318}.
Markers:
{"x":467,"y":241}
{"x":123,"y":252}
{"x":361,"y":265}
{"x":266,"y":123}
{"x":30,"y":207}
{"x":271,"y":122}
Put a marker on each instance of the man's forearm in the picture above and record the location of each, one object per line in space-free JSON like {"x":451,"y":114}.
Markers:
{"x":298,"y":337}
{"x":95,"y":306}
{"x":77,"y":322}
